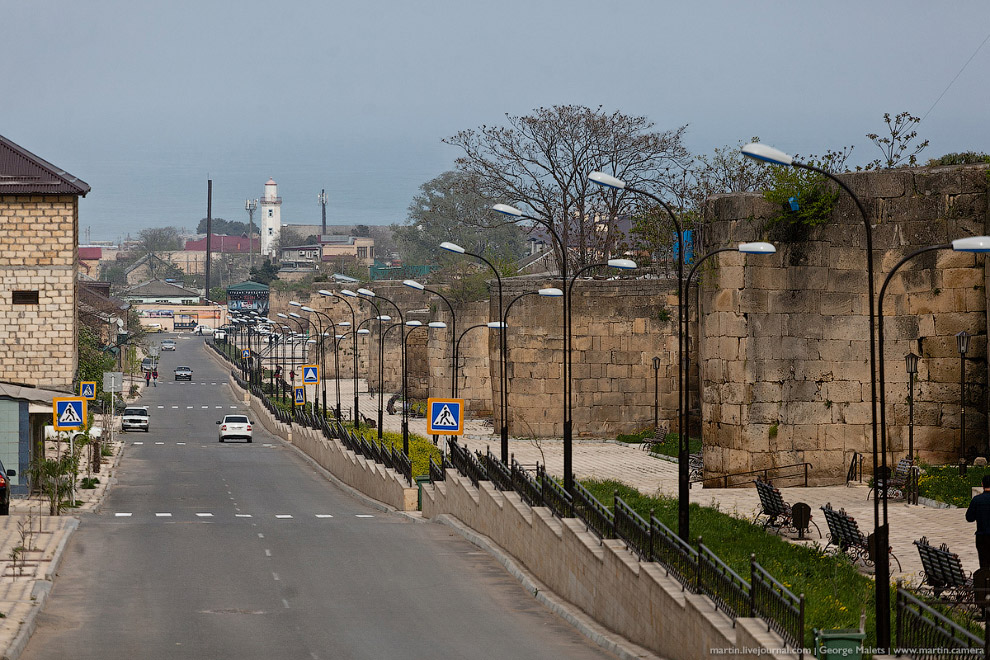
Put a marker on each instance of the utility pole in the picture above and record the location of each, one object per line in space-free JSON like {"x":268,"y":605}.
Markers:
{"x":250,"y":205}
{"x":209,"y":232}
{"x":323,"y":203}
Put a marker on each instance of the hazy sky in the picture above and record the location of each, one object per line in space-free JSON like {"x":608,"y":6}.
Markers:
{"x":146,"y":100}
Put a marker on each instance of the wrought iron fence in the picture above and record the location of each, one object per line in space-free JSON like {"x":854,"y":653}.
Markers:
{"x":498,"y":472}
{"x":775,"y":604}
{"x":554,"y":496}
{"x":402,"y":465}
{"x":678,"y":558}
{"x":595,"y":515}
{"x":528,"y":489}
{"x":437,"y":472}
{"x":925,"y":634}
{"x":632,"y":529}
{"x":724,"y":586}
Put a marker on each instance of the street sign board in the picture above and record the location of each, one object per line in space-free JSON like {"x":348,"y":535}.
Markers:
{"x":311,"y":374}
{"x":445,"y":416}
{"x":300,"y":396}
{"x":87,"y":389}
{"x":245,"y":353}
{"x":69,"y":413}
{"x":113,"y":381}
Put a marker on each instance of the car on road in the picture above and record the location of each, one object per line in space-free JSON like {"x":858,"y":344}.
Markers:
{"x":154,"y":327}
{"x":235,"y":426}
{"x":149,"y":364}
{"x":168,"y":344}
{"x":135,"y":417}
{"x":203,"y":330}
{"x":183,"y":373}
{"x":5,"y":489}
{"x":219,"y":335}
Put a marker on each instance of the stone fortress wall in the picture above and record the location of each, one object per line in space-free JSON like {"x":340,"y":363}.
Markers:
{"x":785,"y":339}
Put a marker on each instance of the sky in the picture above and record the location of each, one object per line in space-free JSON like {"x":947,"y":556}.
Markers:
{"x":146,"y":101}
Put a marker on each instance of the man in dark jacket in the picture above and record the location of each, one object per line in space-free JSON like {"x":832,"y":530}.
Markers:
{"x":979,"y":512}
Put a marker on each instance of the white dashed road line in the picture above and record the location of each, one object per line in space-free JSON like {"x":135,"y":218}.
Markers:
{"x":204,"y":515}
{"x":282,"y":516}
{"x":122,"y":515}
{"x":163,"y":515}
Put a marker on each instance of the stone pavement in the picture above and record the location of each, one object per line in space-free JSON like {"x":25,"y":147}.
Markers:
{"x":636,"y":468}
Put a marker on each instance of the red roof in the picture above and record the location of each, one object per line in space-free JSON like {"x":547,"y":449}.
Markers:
{"x":90,"y":253}
{"x":225,"y":244}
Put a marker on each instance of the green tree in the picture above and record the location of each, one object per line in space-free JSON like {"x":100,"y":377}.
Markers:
{"x":225,"y":227}
{"x":447,"y":209}
{"x":265,"y":273}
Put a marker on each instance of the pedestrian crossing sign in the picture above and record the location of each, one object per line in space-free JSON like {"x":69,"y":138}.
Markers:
{"x":300,"y":396}
{"x":245,"y":353}
{"x":445,"y":416}
{"x":69,"y":413}
{"x":311,"y":374}
{"x":87,"y":390}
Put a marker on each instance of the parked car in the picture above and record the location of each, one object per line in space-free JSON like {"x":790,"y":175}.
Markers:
{"x":135,"y":417}
{"x":235,"y":426}
{"x":219,"y":335}
{"x":168,"y":344}
{"x":5,"y":489}
{"x":149,"y":364}
{"x":203,"y":330}
{"x":154,"y":327}
{"x":183,"y":373}
{"x":51,"y":435}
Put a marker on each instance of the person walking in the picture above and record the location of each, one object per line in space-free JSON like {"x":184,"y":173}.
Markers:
{"x":147,"y":379}
{"x":979,"y":512}
{"x":154,"y":376}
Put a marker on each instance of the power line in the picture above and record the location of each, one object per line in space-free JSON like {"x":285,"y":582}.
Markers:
{"x":957,"y":76}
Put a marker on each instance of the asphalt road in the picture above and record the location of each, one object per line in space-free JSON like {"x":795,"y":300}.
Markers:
{"x":235,"y":550}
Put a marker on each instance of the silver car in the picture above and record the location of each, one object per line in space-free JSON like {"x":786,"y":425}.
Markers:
{"x":168,"y":345}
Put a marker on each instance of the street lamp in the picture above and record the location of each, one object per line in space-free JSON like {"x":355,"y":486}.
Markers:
{"x":621,"y":264}
{"x":331,"y":294}
{"x":370,"y":296}
{"x":413,"y":284}
{"x":962,"y":343}
{"x":911,"y":366}
{"x":683,"y":483}
{"x":323,"y":335}
{"x":503,"y":402}
{"x":412,"y":325}
{"x":656,"y":394}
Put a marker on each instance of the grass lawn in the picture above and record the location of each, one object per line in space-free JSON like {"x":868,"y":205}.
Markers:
{"x":667,"y":447}
{"x":943,"y":483}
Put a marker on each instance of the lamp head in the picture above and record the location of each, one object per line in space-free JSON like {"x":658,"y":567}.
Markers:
{"x":962,"y":342}
{"x":348,"y":293}
{"x":505,"y":209}
{"x":767,"y":154}
{"x":324,"y":292}
{"x":607,"y":180}
{"x":294,"y":315}
{"x":295,"y":303}
{"x":622,"y":264}
{"x":972,"y":244}
{"x":366,"y":292}
{"x":344,"y":324}
{"x":414,"y":324}
{"x":364,"y":331}
{"x":413,"y":284}
{"x":437,"y":324}
{"x":451,"y":247}
{"x":384,"y":317}
{"x":281,"y":315}
{"x":307,"y":308}
{"x":911,"y":363}
{"x":757,"y":248}
{"x":551,"y":292}
{"x":495,"y":325}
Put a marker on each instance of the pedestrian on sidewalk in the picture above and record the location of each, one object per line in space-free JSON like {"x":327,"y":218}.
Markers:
{"x":154,"y":376}
{"x":147,"y":379}
{"x":979,"y":512}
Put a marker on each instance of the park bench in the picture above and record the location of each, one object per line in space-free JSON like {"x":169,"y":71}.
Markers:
{"x":943,"y":573}
{"x":778,"y":512}
{"x":844,"y":534}
{"x":896,"y":483}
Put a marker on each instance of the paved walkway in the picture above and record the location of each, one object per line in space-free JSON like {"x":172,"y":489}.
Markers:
{"x":636,"y":468}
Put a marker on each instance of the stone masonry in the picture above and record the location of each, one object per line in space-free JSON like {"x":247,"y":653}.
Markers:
{"x":38,"y":234}
{"x":785,"y":338}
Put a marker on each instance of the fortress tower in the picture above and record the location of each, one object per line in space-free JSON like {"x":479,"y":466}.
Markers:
{"x":271,"y":219}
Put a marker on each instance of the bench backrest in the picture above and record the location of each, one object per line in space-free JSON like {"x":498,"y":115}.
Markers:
{"x":943,"y":568}
{"x":843,"y":527}
{"x":770,"y":499}
{"x":903,"y":467}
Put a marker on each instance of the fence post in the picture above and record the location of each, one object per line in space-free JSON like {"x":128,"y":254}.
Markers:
{"x":697,"y":575}
{"x":752,"y":583}
{"x":649,"y":538}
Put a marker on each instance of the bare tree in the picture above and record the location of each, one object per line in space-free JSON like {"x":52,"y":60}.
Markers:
{"x":157,"y":244}
{"x":543,"y":160}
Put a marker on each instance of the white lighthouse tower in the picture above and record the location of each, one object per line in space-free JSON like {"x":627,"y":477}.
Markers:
{"x":271,"y":219}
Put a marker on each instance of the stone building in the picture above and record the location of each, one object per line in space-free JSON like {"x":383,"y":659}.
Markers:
{"x":39,"y":231}
{"x":785,"y":340}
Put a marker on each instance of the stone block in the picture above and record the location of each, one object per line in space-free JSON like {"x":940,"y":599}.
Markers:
{"x":795,"y":302}
{"x":847,"y":281}
{"x":959,"y":278}
{"x":803,"y":326}
{"x":844,"y":303}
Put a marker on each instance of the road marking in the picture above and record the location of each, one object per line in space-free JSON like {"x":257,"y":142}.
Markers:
{"x":180,"y":443}
{"x":242,"y":515}
{"x":159,"y":443}
{"x":205,"y":407}
{"x":175,"y":407}
{"x":282,"y":515}
{"x":188,"y":407}
{"x":286,"y":603}
{"x":268,"y":553}
{"x":323,"y":515}
{"x":363,"y":515}
{"x":219,"y":407}
{"x":138,"y":443}
{"x":261,"y":536}
{"x":275,"y":575}
{"x":163,"y":515}
{"x":205,"y":515}
{"x":122,"y":515}
{"x":161,"y":406}
{"x":233,"y":407}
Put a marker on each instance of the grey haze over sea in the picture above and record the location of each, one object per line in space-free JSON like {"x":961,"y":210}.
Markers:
{"x":136,"y":187}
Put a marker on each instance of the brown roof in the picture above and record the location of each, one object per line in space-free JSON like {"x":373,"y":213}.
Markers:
{"x":23,"y":173}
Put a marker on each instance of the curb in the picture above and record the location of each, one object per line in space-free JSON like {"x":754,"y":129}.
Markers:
{"x":578,"y":620}
{"x":39,"y":592}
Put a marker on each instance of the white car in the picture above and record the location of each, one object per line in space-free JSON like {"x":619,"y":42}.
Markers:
{"x":235,"y":426}
{"x":168,"y":344}
{"x":203,"y":330}
{"x":135,"y":417}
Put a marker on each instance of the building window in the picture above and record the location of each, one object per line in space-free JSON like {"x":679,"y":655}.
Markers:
{"x":271,"y":213}
{"x":25,"y":298}
{"x":271,"y":232}
{"x":362,"y":253}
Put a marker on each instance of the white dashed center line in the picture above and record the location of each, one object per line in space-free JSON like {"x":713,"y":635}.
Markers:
{"x":363,"y":515}
{"x":163,"y":515}
{"x":323,"y":515}
{"x":122,"y":515}
{"x":282,"y":515}
{"x":204,"y":515}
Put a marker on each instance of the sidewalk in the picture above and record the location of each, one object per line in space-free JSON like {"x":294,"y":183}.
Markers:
{"x":636,"y":468}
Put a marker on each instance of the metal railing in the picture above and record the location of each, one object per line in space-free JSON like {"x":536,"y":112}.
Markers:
{"x":595,"y":515}
{"x":775,"y":474}
{"x":724,"y":586}
{"x":775,"y":604}
{"x":554,"y":496}
{"x":528,"y":489}
{"x":855,"y":472}
{"x":499,"y":474}
{"x":679,"y":559}
{"x":437,"y":472}
{"x":925,"y":634}
{"x":632,"y":529}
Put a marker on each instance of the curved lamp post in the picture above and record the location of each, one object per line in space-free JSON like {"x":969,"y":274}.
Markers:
{"x":683,"y":484}
{"x":621,"y":264}
{"x":320,"y":315}
{"x":491,"y":325}
{"x":319,"y":358}
{"x":412,"y":325}
{"x":503,"y":403}
{"x":370,"y":296}
{"x":413,"y":284}
{"x":292,"y":359}
{"x":330,"y":294}
{"x":305,"y":357}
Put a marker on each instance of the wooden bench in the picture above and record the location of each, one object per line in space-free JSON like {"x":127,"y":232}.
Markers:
{"x":777,"y":511}
{"x":943,"y":573}
{"x":897,"y":482}
{"x":844,"y":534}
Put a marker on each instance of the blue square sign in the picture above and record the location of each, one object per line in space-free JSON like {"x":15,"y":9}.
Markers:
{"x":445,"y":416}
{"x":69,"y":413}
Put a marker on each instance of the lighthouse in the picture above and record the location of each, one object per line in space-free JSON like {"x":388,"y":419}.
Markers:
{"x":271,"y":219}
